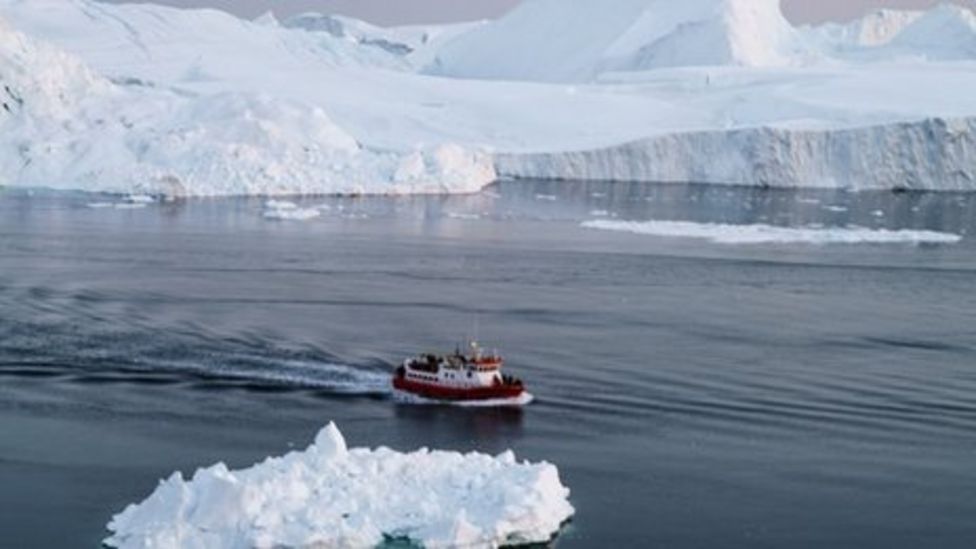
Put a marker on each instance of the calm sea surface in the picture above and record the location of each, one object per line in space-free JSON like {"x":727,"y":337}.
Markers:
{"x":693,"y":395}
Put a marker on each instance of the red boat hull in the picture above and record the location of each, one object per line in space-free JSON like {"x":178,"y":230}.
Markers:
{"x":438,"y":392}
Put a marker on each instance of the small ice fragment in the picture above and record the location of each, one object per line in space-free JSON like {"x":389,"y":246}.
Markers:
{"x":280,"y":209}
{"x":280,"y":205}
{"x":292,"y":214}
{"x":547,"y":197}
{"x":466,"y":216}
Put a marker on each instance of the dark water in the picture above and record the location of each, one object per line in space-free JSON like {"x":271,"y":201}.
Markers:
{"x":692,"y":394}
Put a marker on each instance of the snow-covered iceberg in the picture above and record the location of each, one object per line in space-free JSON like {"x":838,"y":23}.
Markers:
{"x":64,"y":125}
{"x":877,"y":28}
{"x":556,"y":41}
{"x":331,"y":496}
{"x":198,"y":102}
{"x":945,"y":33}
{"x":551,"y":40}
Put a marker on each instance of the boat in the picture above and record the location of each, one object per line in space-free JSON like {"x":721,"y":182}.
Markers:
{"x":459,"y":377}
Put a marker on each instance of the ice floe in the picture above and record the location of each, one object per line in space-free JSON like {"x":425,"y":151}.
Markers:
{"x":769,"y":234}
{"x":130,"y":202}
{"x":331,"y":496}
{"x":279,"y":209}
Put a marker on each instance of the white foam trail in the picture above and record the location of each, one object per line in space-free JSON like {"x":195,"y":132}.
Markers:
{"x":768,"y":234}
{"x":338,"y":378}
{"x":524,"y":399}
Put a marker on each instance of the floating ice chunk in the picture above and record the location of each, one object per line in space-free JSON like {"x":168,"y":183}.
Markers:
{"x":130,"y":205}
{"x":769,"y":234}
{"x":280,"y":205}
{"x":117,"y":205}
{"x":331,"y":496}
{"x":463,"y":216}
{"x":280,"y":209}
{"x":140,"y":199}
{"x":296,"y":215}
{"x":547,"y":197}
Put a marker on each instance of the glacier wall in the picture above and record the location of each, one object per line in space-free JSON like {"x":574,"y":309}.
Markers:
{"x":935,"y":154}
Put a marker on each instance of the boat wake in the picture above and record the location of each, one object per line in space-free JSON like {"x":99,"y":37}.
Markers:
{"x":338,"y":378}
{"x":402,"y":397}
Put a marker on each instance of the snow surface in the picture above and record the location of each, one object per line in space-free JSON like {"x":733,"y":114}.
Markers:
{"x":769,"y":234}
{"x":158,"y":100}
{"x":331,"y":496}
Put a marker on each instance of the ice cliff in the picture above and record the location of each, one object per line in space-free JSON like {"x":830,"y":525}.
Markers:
{"x":934,"y":154}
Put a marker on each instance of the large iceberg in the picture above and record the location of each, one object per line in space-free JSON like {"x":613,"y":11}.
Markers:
{"x":138,"y":98}
{"x":331,"y":496}
{"x":64,"y":125}
{"x":548,"y":40}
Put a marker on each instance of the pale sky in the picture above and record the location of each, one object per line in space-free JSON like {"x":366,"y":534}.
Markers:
{"x":393,"y":12}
